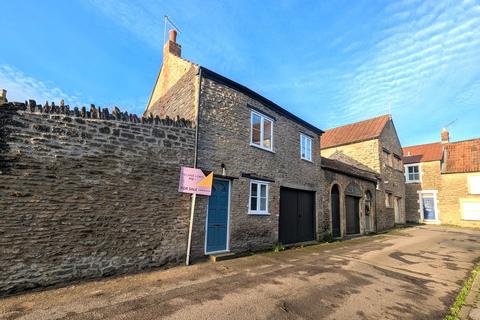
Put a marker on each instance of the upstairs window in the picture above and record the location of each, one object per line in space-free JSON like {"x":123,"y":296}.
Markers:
{"x":397,"y":162}
{"x":305,"y":147}
{"x":388,"y":199}
{"x":261,"y":131}
{"x":387,"y":158}
{"x":258,"y":197}
{"x":412,"y":173}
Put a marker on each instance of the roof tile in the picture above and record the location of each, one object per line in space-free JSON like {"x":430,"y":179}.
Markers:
{"x":354,"y":132}
{"x":423,"y":153}
{"x":463,"y":156}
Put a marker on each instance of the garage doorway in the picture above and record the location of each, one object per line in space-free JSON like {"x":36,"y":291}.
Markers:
{"x":335,"y":209}
{"x":352,"y":220}
{"x":297,"y":216}
{"x":353,"y":194}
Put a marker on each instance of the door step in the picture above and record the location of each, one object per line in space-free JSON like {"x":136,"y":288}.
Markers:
{"x":221,"y":257}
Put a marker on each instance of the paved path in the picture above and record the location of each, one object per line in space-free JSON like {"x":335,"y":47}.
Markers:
{"x":411,"y":273}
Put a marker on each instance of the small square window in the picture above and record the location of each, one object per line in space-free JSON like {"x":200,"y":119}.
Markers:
{"x":412,"y":173}
{"x":258,"y":197}
{"x":305,"y":147}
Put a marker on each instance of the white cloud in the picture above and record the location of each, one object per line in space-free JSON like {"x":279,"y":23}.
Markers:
{"x":438,"y":45}
{"x":21,"y":87}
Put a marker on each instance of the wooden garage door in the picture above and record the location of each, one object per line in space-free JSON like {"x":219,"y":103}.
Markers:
{"x":352,"y":215}
{"x":297,"y":216}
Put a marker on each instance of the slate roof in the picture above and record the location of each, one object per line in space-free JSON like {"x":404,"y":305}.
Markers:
{"x":462,"y":156}
{"x":354,"y":132}
{"x":341,"y":167}
{"x":423,"y":153}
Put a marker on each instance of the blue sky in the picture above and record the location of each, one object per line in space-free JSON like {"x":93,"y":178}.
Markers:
{"x":329,"y":62}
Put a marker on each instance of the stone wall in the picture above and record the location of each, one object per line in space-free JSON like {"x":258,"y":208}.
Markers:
{"x":411,"y":202}
{"x":430,"y":179}
{"x":343,"y":180}
{"x":86,"y":194}
{"x":362,"y":154}
{"x":224,"y":138}
{"x":175,"y":90}
{"x":454,"y":191}
{"x":393,"y":179}
{"x":368,"y":155}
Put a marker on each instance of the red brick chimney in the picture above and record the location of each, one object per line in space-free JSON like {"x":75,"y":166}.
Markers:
{"x":172,"y":46}
{"x":445,"y":136}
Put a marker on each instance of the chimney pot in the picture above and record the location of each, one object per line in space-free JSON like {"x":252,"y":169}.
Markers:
{"x":445,"y":136}
{"x":172,"y":47}
{"x":172,"y":35}
{"x":3,"y":96}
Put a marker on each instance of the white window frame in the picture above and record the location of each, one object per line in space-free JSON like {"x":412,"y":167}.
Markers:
{"x":262,"y":120}
{"x":407,"y":179}
{"x":307,"y":139}
{"x":435,"y":201}
{"x":471,"y":188}
{"x":259,"y":183}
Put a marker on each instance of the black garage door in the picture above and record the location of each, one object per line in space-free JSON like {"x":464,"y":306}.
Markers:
{"x":297,"y":216}
{"x":352,"y":215}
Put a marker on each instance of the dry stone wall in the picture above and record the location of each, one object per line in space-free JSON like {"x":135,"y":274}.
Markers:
{"x":88,"y":193}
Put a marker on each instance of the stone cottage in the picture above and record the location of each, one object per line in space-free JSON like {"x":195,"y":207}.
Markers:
{"x":373,"y":145}
{"x":266,"y":162}
{"x":443,"y":182}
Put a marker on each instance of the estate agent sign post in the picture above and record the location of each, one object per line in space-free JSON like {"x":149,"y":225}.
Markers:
{"x":194,"y":181}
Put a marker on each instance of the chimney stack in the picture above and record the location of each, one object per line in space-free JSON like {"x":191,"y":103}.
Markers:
{"x":3,"y":96}
{"x":445,"y":136}
{"x":172,"y":47}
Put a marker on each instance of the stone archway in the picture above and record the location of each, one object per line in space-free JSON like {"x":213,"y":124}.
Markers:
{"x":369,"y":213}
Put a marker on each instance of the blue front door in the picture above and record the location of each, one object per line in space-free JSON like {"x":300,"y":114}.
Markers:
{"x":217,"y":216}
{"x":428,"y":208}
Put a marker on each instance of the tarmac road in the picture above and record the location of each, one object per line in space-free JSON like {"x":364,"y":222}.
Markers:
{"x":411,"y":273}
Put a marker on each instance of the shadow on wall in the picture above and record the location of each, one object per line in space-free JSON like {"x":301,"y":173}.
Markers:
{"x":340,"y":156}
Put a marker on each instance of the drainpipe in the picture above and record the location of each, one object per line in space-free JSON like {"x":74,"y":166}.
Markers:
{"x":194,"y":196}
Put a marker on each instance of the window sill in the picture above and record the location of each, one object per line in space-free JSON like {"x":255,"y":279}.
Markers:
{"x":261,"y":148}
{"x":253,"y":213}
{"x":413,"y":182}
{"x":310,"y":161}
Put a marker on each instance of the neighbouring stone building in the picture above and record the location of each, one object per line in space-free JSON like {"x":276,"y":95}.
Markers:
{"x":443,"y":182}
{"x":373,"y":145}
{"x":88,"y":193}
{"x":349,"y":198}
{"x":266,"y":161}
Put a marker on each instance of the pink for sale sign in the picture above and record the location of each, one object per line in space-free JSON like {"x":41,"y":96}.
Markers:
{"x":193,"y":180}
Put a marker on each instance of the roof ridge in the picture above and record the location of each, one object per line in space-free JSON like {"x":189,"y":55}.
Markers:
{"x":358,"y":122}
{"x":421,"y":145}
{"x":468,"y":140}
